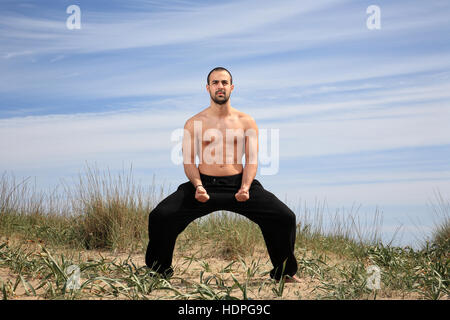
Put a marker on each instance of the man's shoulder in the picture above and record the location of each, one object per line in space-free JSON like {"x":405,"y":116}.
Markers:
{"x":246,"y":118}
{"x":196,"y":117}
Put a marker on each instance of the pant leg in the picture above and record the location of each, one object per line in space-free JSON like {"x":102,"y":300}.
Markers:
{"x":278,"y":226}
{"x":167,"y":220}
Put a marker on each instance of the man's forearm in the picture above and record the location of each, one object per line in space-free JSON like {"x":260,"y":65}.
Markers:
{"x":248,"y":175}
{"x":193,"y":174}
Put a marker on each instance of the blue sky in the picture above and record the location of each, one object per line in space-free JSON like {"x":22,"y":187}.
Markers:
{"x":362,"y":114}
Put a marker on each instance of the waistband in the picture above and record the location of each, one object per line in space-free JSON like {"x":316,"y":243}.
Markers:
{"x":221,"y":180}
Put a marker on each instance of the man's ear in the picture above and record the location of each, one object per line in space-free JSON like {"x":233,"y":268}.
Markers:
{"x":207,"y":87}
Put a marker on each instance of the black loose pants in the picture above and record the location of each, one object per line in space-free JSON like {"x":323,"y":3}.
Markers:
{"x":173,"y":214}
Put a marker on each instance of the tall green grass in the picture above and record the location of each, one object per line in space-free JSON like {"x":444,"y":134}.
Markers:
{"x":111,"y":210}
{"x":441,"y":210}
{"x":102,"y":210}
{"x":341,"y":232}
{"x":99,"y":210}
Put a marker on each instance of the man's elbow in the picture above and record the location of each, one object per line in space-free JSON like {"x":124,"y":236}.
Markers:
{"x":251,"y":159}
{"x":254,"y":166}
{"x":189,"y":165}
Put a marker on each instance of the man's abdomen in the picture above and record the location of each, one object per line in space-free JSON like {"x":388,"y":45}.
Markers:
{"x":220,"y":169}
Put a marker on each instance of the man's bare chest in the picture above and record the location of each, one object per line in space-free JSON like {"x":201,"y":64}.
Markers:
{"x":225,"y":130}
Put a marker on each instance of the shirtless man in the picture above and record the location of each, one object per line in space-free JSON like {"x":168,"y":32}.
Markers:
{"x":220,"y":135}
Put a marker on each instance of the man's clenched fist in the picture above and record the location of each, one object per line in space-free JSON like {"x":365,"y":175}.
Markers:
{"x":201,"y":194}
{"x":242,"y":195}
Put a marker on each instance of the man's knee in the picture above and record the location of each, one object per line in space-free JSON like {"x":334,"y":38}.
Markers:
{"x":283,"y":211}
{"x":289,"y":217}
{"x":157,"y":216}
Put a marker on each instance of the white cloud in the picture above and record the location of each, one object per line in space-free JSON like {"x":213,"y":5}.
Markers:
{"x":54,"y":140}
{"x":348,"y":136}
{"x":368,"y":194}
{"x":100,"y":31}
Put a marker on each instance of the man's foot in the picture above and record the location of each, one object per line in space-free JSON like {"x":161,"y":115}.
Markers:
{"x":293,"y":279}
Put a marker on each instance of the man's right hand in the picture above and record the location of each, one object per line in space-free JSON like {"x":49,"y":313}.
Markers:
{"x":201,"y":194}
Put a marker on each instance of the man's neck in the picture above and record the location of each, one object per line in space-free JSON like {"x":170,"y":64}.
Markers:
{"x":220,"y":110}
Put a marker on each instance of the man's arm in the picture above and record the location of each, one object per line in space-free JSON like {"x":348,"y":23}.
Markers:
{"x":251,"y":159}
{"x":191,"y":170}
{"x":189,"y":151}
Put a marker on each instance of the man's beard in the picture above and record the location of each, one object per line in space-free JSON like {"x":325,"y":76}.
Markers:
{"x":222,"y":100}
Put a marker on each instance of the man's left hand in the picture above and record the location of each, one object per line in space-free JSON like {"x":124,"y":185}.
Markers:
{"x":242,"y":195}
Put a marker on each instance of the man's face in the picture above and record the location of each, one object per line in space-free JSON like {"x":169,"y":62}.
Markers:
{"x":220,"y":86}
